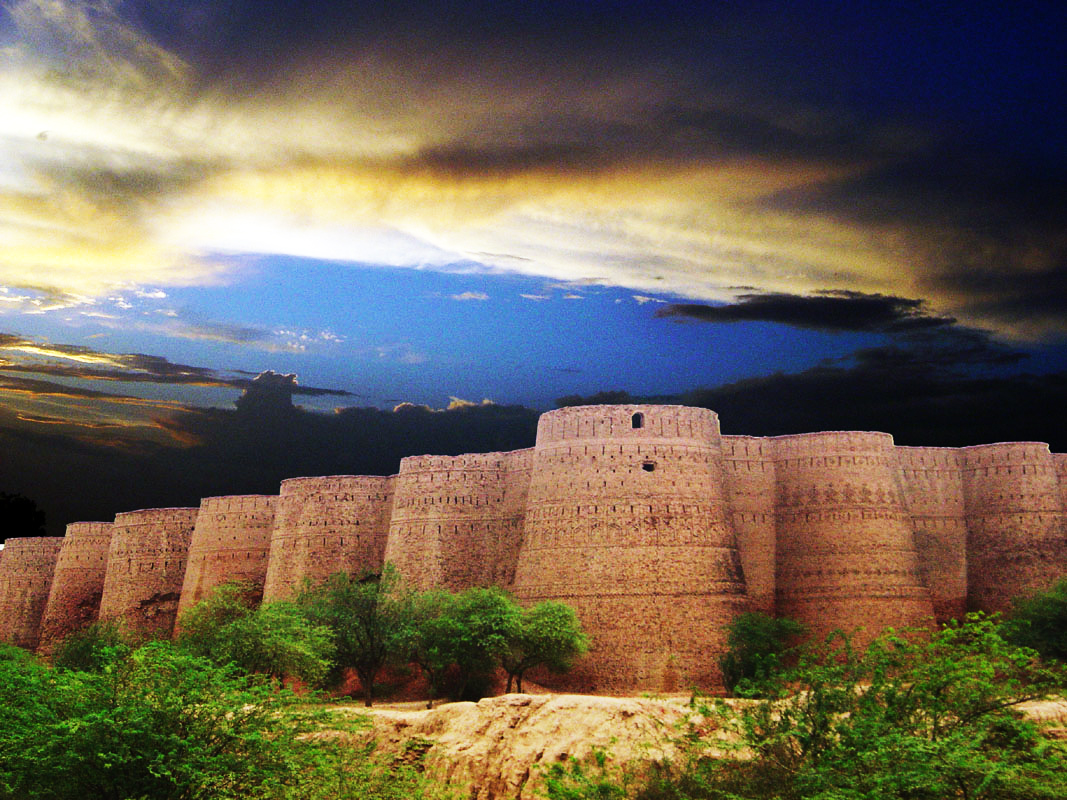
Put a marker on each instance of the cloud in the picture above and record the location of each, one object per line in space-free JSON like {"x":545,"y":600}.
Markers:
{"x":660,"y":148}
{"x":829,"y":310}
{"x":470,"y":296}
{"x":641,"y":299}
{"x":537,"y":298}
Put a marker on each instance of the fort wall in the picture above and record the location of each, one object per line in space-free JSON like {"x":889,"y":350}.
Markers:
{"x":932,"y":479}
{"x":323,"y":525}
{"x":146,"y":568}
{"x":625,"y":522}
{"x":231,"y":542}
{"x":78,"y":581}
{"x":451,"y":520}
{"x":1016,"y":534}
{"x":748,"y":483}
{"x":25,"y":580}
{"x":653,"y":526}
{"x":846,"y":554}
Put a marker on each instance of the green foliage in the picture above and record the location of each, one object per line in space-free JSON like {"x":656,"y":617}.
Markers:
{"x":548,"y":634}
{"x":467,"y":632}
{"x":1040,"y":622}
{"x":757,"y":645}
{"x":368,"y":618}
{"x":572,"y":780}
{"x":91,"y":648}
{"x":156,"y":723}
{"x":918,"y":717}
{"x":275,"y":639}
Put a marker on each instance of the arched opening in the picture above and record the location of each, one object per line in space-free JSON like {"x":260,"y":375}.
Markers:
{"x":637,"y":420}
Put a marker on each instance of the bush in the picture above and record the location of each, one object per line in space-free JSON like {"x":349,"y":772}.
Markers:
{"x":154,"y":723}
{"x":1040,"y":622}
{"x":91,"y":648}
{"x":757,"y":646}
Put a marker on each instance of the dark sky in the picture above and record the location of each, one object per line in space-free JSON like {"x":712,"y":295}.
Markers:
{"x":804,"y":215}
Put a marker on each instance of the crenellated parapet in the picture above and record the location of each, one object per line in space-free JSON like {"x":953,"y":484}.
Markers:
{"x":656,"y":528}
{"x":78,"y":581}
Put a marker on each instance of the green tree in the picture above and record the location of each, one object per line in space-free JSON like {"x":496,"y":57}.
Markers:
{"x":90,"y":649}
{"x":368,"y":618}
{"x":275,"y":639}
{"x":1040,"y":622}
{"x":548,"y":634}
{"x":756,"y":646}
{"x":431,"y":631}
{"x":156,"y":723}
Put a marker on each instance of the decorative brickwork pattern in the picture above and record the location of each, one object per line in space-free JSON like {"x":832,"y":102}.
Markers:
{"x":657,"y":529}
{"x":452,"y":520}
{"x":231,"y":541}
{"x":626,"y":522}
{"x":845,"y":548}
{"x":1016,"y":534}
{"x":324,"y":525}
{"x":933,"y":493}
{"x":25,"y":580}
{"x":78,"y":582}
{"x":146,"y":568}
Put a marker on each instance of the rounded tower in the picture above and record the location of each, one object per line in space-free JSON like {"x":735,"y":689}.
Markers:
{"x":748,"y":476}
{"x":323,"y":525}
{"x":845,"y":547}
{"x":1016,"y":537}
{"x":146,"y":568}
{"x":933,"y":493}
{"x":78,"y":583}
{"x":25,"y":580}
{"x":231,"y":541}
{"x":626,"y":522}
{"x":451,"y":522}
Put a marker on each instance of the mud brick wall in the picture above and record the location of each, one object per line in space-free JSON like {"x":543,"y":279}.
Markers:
{"x":26,"y":571}
{"x":231,"y":542}
{"x":336,"y":523}
{"x":146,"y":568}
{"x":78,"y":582}
{"x":1016,"y":536}
{"x":846,"y":553}
{"x":748,"y":483}
{"x":933,"y":493}
{"x":626,"y":522}
{"x":452,"y":520}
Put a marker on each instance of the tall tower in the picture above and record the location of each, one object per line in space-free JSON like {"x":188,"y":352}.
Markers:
{"x":845,"y":551}
{"x":146,"y":567}
{"x":25,"y":579}
{"x":626,"y":522}
{"x":336,"y":523}
{"x":78,"y":583}
{"x":231,"y":542}
{"x":1016,"y":532}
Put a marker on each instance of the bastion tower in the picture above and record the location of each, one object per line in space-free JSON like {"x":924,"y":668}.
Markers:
{"x":626,"y":523}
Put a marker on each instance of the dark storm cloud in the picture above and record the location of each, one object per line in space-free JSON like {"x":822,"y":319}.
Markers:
{"x":826,"y":311}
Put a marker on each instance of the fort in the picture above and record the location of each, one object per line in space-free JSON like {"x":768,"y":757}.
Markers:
{"x":653,"y":525}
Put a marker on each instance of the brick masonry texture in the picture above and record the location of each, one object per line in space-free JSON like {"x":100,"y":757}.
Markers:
{"x":653,"y":525}
{"x":78,"y":582}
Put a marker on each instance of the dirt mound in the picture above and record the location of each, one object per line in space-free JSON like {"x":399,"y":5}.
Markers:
{"x":499,"y":745}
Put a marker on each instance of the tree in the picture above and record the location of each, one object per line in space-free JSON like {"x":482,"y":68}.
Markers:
{"x":428,"y":638}
{"x":756,"y":646}
{"x":1040,"y":622}
{"x":90,"y":649}
{"x":275,"y":639}
{"x":156,"y":722}
{"x":368,"y":618}
{"x":19,"y":516}
{"x":548,"y":634}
